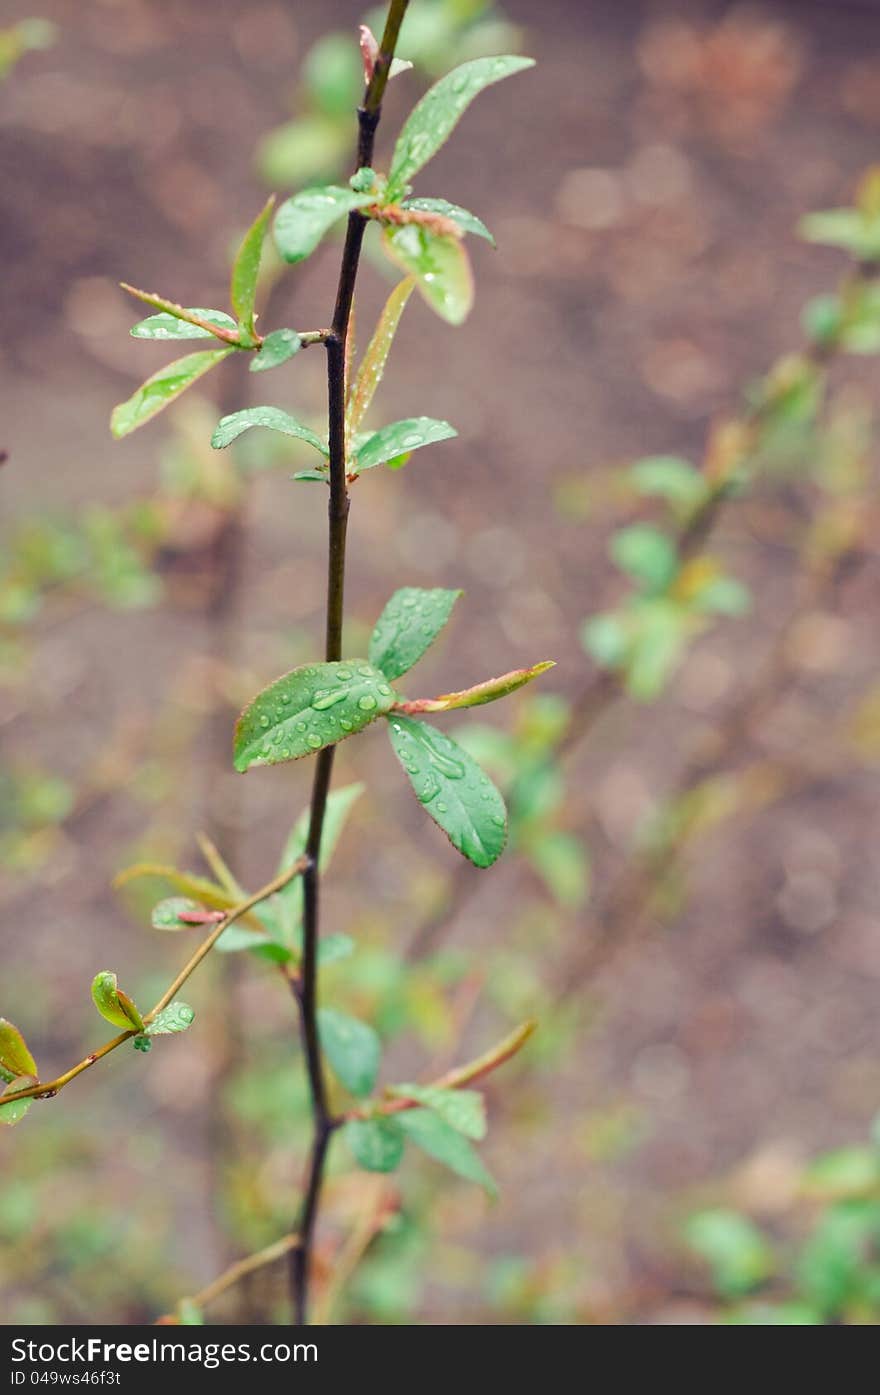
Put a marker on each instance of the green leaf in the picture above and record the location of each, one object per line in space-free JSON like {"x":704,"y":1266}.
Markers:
{"x":167,"y":326}
{"x":333,"y":948}
{"x":246,"y":269}
{"x":605,"y":636}
{"x":733,"y":1247}
{"x":434,"y":118}
{"x":561,"y":861}
{"x":490,"y":690}
{"x":176,"y":1017}
{"x":452,"y":787}
{"x":400,"y":437}
{"x":670,"y":478}
{"x":215,"y":324}
{"x":847,"y":228}
{"x":843,"y":1173}
{"x":468,"y":222}
{"x":230,"y":427}
{"x":440,"y":266}
{"x":208,"y":893}
{"x":303,"y":220}
{"x":114,"y":1005}
{"x":376,"y":1144}
{"x":444,"y":1143}
{"x":408,"y":626}
{"x":647,"y":554}
{"x":462,"y":1110}
{"x":166,"y":914}
{"x":301,"y":151}
{"x":314,"y":706}
{"x":372,"y":365}
{"x":318,"y":476}
{"x":15,"y":1058}
{"x":276,"y":349}
{"x":163,"y":388}
{"x":11,"y":1114}
{"x":352,"y":1048}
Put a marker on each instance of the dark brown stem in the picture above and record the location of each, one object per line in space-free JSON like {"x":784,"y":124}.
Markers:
{"x":335,"y":343}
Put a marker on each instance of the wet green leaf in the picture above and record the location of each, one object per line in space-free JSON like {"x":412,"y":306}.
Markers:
{"x":275,"y":349}
{"x":163,"y":387}
{"x":463,"y":1110}
{"x":15,"y":1058}
{"x":440,"y":266}
{"x":352,"y":1048}
{"x":114,"y":1005}
{"x":400,"y":437}
{"x":246,"y":269}
{"x":176,"y":1017}
{"x":166,"y":914}
{"x":441,"y":1141}
{"x":488,"y":691}
{"x":408,"y":626}
{"x":166,"y":326}
{"x":372,"y":365}
{"x":11,"y":1114}
{"x":314,"y":706}
{"x":230,"y":427}
{"x":433,"y":119}
{"x":468,"y":222}
{"x":303,"y":220}
{"x":456,"y":793}
{"x":647,"y":554}
{"x":376,"y":1144}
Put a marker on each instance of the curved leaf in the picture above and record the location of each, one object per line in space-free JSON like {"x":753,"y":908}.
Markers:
{"x":372,"y":365}
{"x":15,"y":1058}
{"x":168,"y":326}
{"x":230,"y":427}
{"x":488,"y":691}
{"x":313,"y":706}
{"x":468,"y":222}
{"x":433,"y":119}
{"x":398,"y":438}
{"x":452,"y":787}
{"x":115,"y":1006}
{"x":246,"y":269}
{"x":440,"y":266}
{"x":408,"y":626}
{"x":352,"y":1048}
{"x":303,"y":220}
{"x":161,"y":389}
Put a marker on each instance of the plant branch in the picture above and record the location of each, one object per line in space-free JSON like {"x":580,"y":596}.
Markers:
{"x":235,"y":1273}
{"x":336,"y":343}
{"x":47,"y":1089}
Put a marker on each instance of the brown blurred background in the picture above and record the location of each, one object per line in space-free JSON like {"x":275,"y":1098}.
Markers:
{"x":644,"y":184}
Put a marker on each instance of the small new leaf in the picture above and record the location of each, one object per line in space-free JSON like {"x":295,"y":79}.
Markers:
{"x":176,"y":1017}
{"x":457,"y":794}
{"x":246,"y":269}
{"x":440,"y":265}
{"x":372,"y":365}
{"x":489,"y":691}
{"x":230,"y":427}
{"x":314,"y":706}
{"x":468,"y":222}
{"x":161,"y":389}
{"x":11,"y":1114}
{"x":433,"y":119}
{"x":15,"y":1058}
{"x":115,"y":1006}
{"x":376,"y":1144}
{"x":408,"y":626}
{"x":352,"y":1048}
{"x":441,"y":1141}
{"x":275,"y":349}
{"x":303,"y":220}
{"x":398,"y":439}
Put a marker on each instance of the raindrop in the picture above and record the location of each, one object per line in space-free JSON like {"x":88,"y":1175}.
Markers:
{"x":343,"y":673}
{"x":264,"y":720}
{"x":313,"y":740}
{"x":300,"y":726}
{"x":452,"y":769}
{"x":498,"y":821}
{"x":324,"y":700}
{"x":414,"y":438}
{"x":365,"y":671}
{"x":367,"y":702}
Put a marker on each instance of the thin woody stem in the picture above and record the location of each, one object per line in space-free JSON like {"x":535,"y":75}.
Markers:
{"x":336,"y":344}
{"x":238,"y":1271}
{"x":46,"y":1089}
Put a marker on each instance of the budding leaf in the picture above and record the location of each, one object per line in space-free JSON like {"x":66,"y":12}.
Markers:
{"x":303,"y":220}
{"x":275,"y":349}
{"x":176,"y":1017}
{"x":440,"y":266}
{"x":433,"y":119}
{"x":456,"y":793}
{"x":408,"y":626}
{"x":11,"y":1114}
{"x":372,"y":365}
{"x":214,"y":323}
{"x":15,"y":1058}
{"x":311,"y":707}
{"x":161,"y":389}
{"x":246,"y":269}
{"x":480,"y":693}
{"x":376,"y":1144}
{"x":463,"y":1110}
{"x":166,"y":914}
{"x":468,"y":222}
{"x":115,"y":1006}
{"x":398,"y":438}
{"x":229,"y":428}
{"x":440,"y":1140}
{"x":168,"y":326}
{"x":352,"y":1048}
